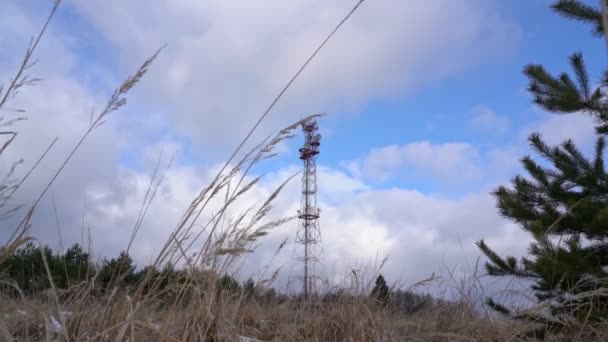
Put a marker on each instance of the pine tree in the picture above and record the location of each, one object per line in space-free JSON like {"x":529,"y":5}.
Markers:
{"x":75,"y":264}
{"x":563,"y":207}
{"x":249,"y":288}
{"x":118,"y":272}
{"x":26,"y":267}
{"x":381,"y":292}
{"x":227,"y":284}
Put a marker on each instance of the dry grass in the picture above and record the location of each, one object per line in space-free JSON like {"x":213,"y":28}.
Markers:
{"x":197,"y":313}
{"x":204,"y":316}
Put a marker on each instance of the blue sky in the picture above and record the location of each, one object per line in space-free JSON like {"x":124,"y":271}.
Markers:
{"x":441,"y":112}
{"x":427,"y":103}
{"x":438,"y":111}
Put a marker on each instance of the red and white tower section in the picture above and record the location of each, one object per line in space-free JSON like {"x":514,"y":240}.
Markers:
{"x":308,"y":237}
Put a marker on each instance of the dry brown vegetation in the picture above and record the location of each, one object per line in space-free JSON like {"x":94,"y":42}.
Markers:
{"x":206,"y":317}
{"x":197,"y":313}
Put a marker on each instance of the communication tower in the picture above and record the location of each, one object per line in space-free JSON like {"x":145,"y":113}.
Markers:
{"x":308,"y":236}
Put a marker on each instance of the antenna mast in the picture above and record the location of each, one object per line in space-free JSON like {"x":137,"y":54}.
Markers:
{"x":309,"y":233}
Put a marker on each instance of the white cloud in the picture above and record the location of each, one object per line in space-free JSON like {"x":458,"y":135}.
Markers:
{"x":555,"y":129}
{"x":484,"y":119}
{"x":227,"y":59}
{"x":482,"y":166}
{"x":420,"y":233}
{"x":447,"y":162}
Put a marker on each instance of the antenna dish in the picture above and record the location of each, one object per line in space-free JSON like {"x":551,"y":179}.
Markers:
{"x":317,"y":138}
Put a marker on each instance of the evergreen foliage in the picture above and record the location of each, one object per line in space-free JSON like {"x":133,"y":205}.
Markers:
{"x":117,"y":271}
{"x":408,"y":302}
{"x":249,"y":288}
{"x":564,"y":207}
{"x":26,"y":267}
{"x":77,"y":265}
{"x":227,"y":284}
{"x":381,"y":292}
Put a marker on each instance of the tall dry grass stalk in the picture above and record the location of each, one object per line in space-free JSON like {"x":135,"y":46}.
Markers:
{"x":20,"y":80}
{"x":9,"y":185}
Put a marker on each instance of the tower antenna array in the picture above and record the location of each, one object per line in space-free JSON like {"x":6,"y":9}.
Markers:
{"x":309,"y":234}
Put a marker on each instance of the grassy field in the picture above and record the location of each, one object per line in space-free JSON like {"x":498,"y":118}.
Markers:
{"x":193,"y":307}
{"x":190,"y":312}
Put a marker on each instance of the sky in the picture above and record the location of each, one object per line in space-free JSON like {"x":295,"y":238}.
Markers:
{"x":426,"y":102}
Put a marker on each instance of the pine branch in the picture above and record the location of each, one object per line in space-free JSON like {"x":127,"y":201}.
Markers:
{"x":561,"y":94}
{"x":576,"y":156}
{"x":498,"y":307}
{"x":537,"y":143}
{"x":598,"y":163}
{"x":578,"y":65}
{"x":553,"y":94}
{"x":537,"y":172}
{"x":601,"y":129}
{"x":577,"y":10}
{"x":500,"y":267}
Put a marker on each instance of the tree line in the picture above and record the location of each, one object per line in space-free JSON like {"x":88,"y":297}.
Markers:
{"x":26,"y":269}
